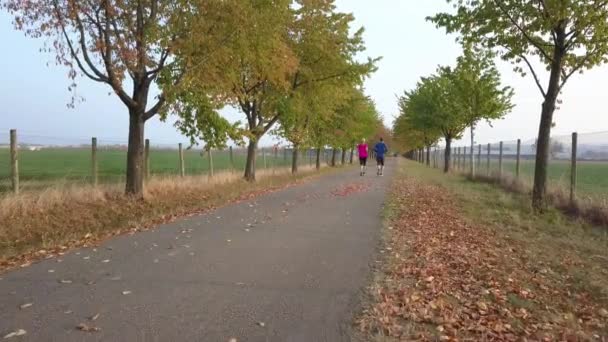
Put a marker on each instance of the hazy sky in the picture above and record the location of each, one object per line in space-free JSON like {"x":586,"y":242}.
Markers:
{"x":35,"y":95}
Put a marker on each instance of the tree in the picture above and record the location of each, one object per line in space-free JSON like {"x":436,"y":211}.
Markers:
{"x":433,"y":105}
{"x":417,"y":116}
{"x":476,"y":81}
{"x":565,"y":36}
{"x":277,"y":48}
{"x":120,"y":43}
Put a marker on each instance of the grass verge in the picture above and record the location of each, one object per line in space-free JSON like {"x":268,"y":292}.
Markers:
{"x":37,"y":225}
{"x":469,"y":261}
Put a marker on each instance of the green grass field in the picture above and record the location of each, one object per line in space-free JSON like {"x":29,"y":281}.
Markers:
{"x":592,"y":176}
{"x":72,"y":165}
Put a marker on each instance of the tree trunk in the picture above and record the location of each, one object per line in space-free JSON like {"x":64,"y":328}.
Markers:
{"x":343,"y":156}
{"x":352,"y":153}
{"x":318,"y":161}
{"x":294,"y":160}
{"x":250,"y":165}
{"x":135,"y":154}
{"x":447,"y":155}
{"x":539,"y":192}
{"x":333,"y":157}
{"x":428,"y":155}
{"x":472,"y":166}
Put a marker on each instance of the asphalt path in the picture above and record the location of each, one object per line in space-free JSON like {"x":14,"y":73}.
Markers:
{"x":286,"y":266}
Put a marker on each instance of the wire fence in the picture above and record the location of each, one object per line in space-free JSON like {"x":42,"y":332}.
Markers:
{"x":577,"y":166}
{"x":27,"y":163}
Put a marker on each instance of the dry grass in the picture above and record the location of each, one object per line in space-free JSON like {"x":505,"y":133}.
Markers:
{"x":583,"y":208}
{"x":38,"y":224}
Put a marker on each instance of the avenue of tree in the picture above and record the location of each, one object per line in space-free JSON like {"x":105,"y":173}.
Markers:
{"x":293,"y":68}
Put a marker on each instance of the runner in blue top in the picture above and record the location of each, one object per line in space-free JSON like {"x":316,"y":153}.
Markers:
{"x":380,"y":150}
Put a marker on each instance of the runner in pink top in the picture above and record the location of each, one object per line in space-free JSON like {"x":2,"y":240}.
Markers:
{"x":362,"y":151}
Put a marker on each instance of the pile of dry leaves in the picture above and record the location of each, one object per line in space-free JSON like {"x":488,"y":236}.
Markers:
{"x":350,"y":189}
{"x":444,"y":279}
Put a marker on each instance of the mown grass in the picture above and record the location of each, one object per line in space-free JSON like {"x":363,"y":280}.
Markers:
{"x":40,"y":223}
{"x":551,"y":237}
{"x":39,"y":169}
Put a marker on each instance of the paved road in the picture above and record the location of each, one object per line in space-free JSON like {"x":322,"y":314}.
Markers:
{"x":287,"y":266}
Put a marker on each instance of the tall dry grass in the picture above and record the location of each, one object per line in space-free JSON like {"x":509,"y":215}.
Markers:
{"x":35,"y":224}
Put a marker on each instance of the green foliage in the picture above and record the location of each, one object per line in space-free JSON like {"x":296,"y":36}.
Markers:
{"x":445,"y":103}
{"x":571,"y":33}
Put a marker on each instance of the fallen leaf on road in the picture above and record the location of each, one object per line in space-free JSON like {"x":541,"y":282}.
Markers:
{"x":51,"y":271}
{"x":262,"y":324}
{"x":15,"y":333}
{"x":65,"y":281}
{"x":25,"y":306}
{"x":126,"y":292}
{"x":87,"y":328}
{"x":94,"y":317}
{"x":106,"y":261}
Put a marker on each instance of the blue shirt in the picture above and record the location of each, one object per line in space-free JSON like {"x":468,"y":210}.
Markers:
{"x":380,"y":149}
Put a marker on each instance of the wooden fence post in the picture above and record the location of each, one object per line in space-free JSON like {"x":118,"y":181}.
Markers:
{"x":488,"y":159}
{"x":500,"y":161}
{"x":147,"y":159}
{"x":479,"y":157}
{"x":518,"y":161}
{"x":94,"y":160}
{"x":182,"y":169}
{"x":14,"y":161}
{"x":573,"y":168}
{"x":210,"y":155}
{"x":231,"y":160}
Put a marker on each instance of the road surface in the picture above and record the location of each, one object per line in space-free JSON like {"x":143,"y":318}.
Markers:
{"x":287,"y":266}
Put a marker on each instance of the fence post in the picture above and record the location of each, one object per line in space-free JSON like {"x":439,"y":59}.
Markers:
{"x":573,"y":168}
{"x":479,"y":158}
{"x":147,"y":159}
{"x":182,"y":170}
{"x":231,"y":160}
{"x":14,"y":161}
{"x":488,"y":159}
{"x":459,"y":158}
{"x":518,"y":162}
{"x":264,"y":157}
{"x":94,"y":160}
{"x":500,"y":161}
{"x":210,"y":155}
